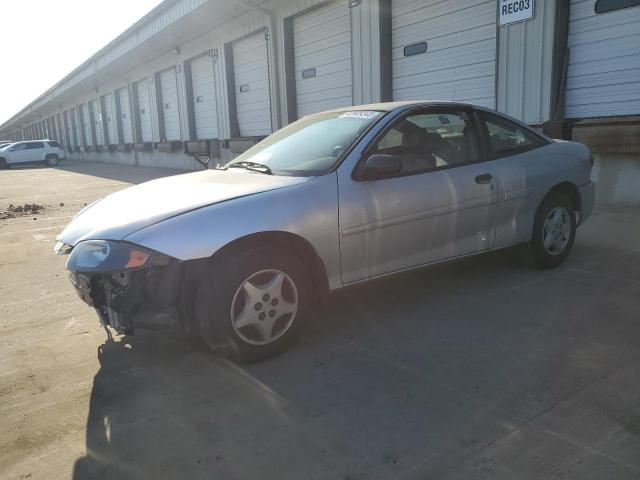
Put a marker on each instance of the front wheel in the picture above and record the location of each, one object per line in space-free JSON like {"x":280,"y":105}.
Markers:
{"x":51,"y":160}
{"x":255,"y":302}
{"x":3,"y":164}
{"x":554,"y":231}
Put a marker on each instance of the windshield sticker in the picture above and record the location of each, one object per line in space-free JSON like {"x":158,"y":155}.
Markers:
{"x":360,"y":114}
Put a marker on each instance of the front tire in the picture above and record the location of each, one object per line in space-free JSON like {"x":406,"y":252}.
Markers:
{"x":255,"y":302}
{"x":51,"y":159}
{"x":554,"y":231}
{"x":3,"y":164}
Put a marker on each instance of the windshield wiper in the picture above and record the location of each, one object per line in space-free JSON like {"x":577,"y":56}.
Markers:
{"x":253,"y":166}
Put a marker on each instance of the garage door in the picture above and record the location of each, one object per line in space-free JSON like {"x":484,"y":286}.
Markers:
{"x":94,"y":105}
{"x":86,"y":124}
{"x":204,"y":98}
{"x":322,"y":58}
{"x":125,"y":115}
{"x":74,"y":127}
{"x":444,"y":50}
{"x":170,"y":107}
{"x":144,"y":110}
{"x":251,"y":76}
{"x":603,"y":77}
{"x":69,"y":127}
{"x":110,"y":117}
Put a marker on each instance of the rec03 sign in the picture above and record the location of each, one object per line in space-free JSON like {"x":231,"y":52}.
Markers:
{"x":514,"y":11}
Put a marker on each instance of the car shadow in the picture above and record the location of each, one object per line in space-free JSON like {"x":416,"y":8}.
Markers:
{"x":385,"y":380}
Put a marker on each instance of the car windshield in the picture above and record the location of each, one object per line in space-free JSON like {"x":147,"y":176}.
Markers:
{"x":310,"y":146}
{"x":6,"y":146}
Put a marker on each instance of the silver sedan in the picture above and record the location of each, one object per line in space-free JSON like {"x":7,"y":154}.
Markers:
{"x":239,"y":256}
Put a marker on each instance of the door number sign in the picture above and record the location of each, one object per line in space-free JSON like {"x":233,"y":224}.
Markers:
{"x":513,"y":11}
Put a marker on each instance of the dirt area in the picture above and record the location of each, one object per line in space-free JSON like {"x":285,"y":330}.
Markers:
{"x":479,"y":369}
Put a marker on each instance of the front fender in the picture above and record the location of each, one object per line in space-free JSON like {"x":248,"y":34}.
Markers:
{"x":309,"y":209}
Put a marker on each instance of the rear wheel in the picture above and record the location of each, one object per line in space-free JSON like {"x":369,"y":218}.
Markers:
{"x":3,"y":164}
{"x":255,"y":302}
{"x":554,"y":231}
{"x":51,"y":159}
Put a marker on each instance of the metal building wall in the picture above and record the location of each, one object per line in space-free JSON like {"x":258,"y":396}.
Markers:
{"x":525,"y":54}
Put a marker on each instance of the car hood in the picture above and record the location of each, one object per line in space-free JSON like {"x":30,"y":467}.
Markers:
{"x":123,"y":213}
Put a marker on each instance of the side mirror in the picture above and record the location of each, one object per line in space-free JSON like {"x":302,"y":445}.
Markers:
{"x":379,"y":166}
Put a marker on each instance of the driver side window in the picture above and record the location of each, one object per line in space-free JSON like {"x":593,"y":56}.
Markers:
{"x":430,"y":141}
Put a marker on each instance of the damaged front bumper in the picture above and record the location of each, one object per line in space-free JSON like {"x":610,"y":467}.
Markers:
{"x":145,"y":296}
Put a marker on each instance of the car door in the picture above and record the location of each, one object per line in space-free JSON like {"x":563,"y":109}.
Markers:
{"x":440,"y":204}
{"x":18,"y":153}
{"x":34,"y":152}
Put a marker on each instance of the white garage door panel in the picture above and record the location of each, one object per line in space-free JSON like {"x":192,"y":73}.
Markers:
{"x":97,"y":120}
{"x":170,"y":105}
{"x":110,"y":106}
{"x":603,"y":76}
{"x":204,"y":98}
{"x":322,"y":41}
{"x":144,"y":105}
{"x":460,"y":61}
{"x":125,"y":115}
{"x":87,"y":124}
{"x":251,"y":71}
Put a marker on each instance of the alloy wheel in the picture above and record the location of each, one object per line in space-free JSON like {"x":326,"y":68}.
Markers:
{"x":264,"y":307}
{"x":556,"y":231}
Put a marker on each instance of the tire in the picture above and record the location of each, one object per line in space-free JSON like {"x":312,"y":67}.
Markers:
{"x":51,"y":159}
{"x":235,"y":307}
{"x":3,"y":164}
{"x":554,"y":231}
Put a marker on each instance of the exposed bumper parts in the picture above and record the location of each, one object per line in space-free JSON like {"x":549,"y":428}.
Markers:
{"x":147,"y":298}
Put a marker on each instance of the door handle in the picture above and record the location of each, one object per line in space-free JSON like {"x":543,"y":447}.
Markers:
{"x":484,"y":178}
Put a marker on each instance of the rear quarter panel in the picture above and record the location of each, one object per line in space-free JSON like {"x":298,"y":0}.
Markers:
{"x":528,"y":177}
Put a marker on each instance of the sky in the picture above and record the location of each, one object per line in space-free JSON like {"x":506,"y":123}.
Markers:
{"x":41,"y":41}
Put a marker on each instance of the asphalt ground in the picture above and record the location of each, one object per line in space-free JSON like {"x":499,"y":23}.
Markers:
{"x":477,"y":369}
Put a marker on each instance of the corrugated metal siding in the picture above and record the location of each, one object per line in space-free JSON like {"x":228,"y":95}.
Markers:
{"x":125,"y":115}
{"x":525,"y":59}
{"x":603,"y":77}
{"x":87,"y":124}
{"x":69,"y":125}
{"x":204,"y":97}
{"x":251,"y":75}
{"x":145,"y":110}
{"x":110,"y":107}
{"x":460,"y":61}
{"x":74,"y":127}
{"x":322,"y":49}
{"x":170,"y":106}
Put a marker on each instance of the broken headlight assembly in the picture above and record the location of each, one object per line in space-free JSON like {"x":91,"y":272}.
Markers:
{"x":102,"y":256}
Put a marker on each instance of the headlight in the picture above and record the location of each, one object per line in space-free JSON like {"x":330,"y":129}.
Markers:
{"x":101,"y":256}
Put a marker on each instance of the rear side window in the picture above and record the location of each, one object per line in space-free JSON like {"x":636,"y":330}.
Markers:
{"x":508,"y":138}
{"x":34,"y":145}
{"x":53,"y":143}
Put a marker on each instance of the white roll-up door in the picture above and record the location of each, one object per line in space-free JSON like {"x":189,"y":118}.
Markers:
{"x":144,"y":106}
{"x":69,"y":125}
{"x":125,"y":115}
{"x":603,"y":77}
{"x":322,"y":58}
{"x":110,"y":114}
{"x":204,"y":98}
{"x":444,"y":50}
{"x":97,"y":121}
{"x":86,"y":124}
{"x":75,"y":123}
{"x":251,"y":77}
{"x":170,"y":107}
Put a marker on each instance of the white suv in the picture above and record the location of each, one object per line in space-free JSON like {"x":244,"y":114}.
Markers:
{"x":33,"y":151}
